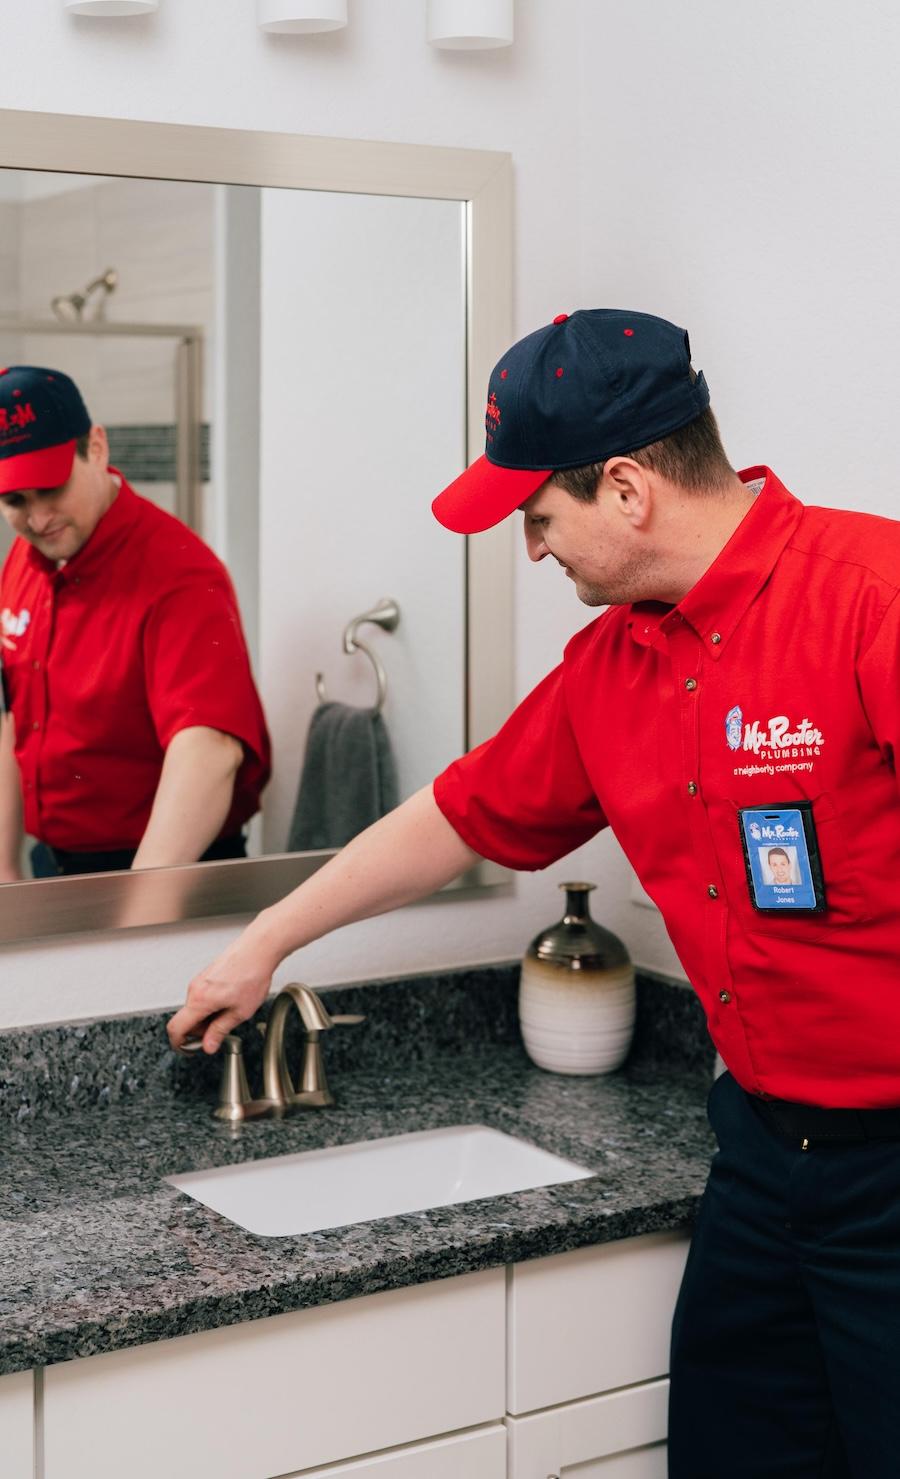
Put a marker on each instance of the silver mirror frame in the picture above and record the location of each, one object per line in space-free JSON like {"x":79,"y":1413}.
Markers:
{"x":480,"y":178}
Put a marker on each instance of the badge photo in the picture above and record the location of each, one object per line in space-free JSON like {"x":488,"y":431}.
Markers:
{"x":781,"y":856}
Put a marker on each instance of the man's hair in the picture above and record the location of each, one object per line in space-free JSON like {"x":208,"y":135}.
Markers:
{"x":693,"y":457}
{"x":81,"y":446}
{"x":777,"y":852}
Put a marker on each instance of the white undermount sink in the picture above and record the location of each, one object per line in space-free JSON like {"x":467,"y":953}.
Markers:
{"x":317,"y":1189}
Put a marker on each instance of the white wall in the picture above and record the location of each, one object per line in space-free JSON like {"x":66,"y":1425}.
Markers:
{"x":730,"y":167}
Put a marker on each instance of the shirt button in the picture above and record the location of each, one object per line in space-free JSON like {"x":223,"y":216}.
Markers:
{"x":690,"y":684}
{"x":692,"y":788}
{"x":35,"y":725}
{"x":713,"y":891}
{"x":36,"y":664}
{"x":715,"y":638}
{"x":725,"y":996}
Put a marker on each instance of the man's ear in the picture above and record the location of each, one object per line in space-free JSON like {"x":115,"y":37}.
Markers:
{"x":629,"y":486}
{"x":98,"y":447}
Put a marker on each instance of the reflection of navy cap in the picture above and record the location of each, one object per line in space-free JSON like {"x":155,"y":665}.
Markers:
{"x":591,"y":384}
{"x":42,"y":416}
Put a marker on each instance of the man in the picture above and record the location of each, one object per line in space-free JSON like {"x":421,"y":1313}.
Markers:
{"x":779,"y":865}
{"x":134,"y":736}
{"x":709,"y":696}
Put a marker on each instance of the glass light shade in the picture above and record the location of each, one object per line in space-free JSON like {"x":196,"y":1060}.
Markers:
{"x":302,"y":16}
{"x":470,"y":25}
{"x":110,"y":7}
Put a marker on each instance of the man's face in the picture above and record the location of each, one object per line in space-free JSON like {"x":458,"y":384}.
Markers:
{"x":594,"y":543}
{"x":58,"y":521}
{"x":781,"y":868}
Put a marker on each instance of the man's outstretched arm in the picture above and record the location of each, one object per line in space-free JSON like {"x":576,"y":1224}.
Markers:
{"x":405,"y":856}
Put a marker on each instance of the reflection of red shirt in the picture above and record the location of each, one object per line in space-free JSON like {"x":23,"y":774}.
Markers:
{"x":136,"y":637}
{"x":777,"y":677}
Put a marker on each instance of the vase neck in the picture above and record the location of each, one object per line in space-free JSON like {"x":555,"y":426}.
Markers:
{"x":578,"y":902}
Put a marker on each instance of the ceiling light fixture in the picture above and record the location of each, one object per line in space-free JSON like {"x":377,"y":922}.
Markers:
{"x":302,"y":17}
{"x":470,"y":25}
{"x":110,"y":7}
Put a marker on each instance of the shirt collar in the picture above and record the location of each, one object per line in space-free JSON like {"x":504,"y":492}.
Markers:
{"x":112,"y":530}
{"x":715,"y":605}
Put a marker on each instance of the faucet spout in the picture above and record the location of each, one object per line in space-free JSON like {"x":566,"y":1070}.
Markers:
{"x":278,"y":1087}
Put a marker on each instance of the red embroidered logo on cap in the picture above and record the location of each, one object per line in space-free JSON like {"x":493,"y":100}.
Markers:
{"x":491,"y":416}
{"x":629,"y":333}
{"x":16,"y":419}
{"x":503,"y":374}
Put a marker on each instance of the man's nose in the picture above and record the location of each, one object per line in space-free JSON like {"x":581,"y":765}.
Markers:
{"x":534,"y":543}
{"x":40,"y":518}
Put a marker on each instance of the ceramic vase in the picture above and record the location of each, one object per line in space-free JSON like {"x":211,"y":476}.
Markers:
{"x":577,"y":994}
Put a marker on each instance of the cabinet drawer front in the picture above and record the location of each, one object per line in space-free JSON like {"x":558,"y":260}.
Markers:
{"x":17,"y":1425}
{"x":621,"y":1433}
{"x":291,"y":1392}
{"x":476,"y":1455}
{"x":640,"y":1463}
{"x":592,"y":1320}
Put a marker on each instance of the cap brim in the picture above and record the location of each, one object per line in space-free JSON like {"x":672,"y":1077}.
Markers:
{"x":48,"y":468}
{"x":485,"y":495}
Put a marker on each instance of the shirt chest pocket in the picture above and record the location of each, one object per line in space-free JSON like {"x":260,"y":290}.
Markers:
{"x":845,"y":898}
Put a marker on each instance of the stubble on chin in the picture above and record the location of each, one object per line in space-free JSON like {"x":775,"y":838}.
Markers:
{"x":591,"y":595}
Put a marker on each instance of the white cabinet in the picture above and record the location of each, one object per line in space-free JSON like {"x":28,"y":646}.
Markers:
{"x":556,"y":1367}
{"x":593,"y":1320}
{"x":480,"y":1455}
{"x":17,"y":1425}
{"x":287,"y":1393}
{"x":620,"y":1435}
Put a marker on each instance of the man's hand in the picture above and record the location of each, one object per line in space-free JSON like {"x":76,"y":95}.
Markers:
{"x":224,"y":995}
{"x":404,"y":856}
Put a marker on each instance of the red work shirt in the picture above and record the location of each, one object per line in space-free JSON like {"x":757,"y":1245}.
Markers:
{"x":796,"y":625}
{"x":134,"y":638}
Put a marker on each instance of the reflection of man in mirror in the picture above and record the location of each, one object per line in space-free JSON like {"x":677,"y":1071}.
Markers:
{"x":779,"y":865}
{"x":718,"y":586}
{"x":134,"y":737}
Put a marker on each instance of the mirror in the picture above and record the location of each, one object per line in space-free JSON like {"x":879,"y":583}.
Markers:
{"x":289,"y":370}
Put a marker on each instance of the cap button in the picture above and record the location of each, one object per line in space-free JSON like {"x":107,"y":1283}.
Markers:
{"x":560,"y":318}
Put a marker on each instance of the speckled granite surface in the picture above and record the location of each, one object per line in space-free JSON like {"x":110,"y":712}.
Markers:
{"x":96,"y":1253}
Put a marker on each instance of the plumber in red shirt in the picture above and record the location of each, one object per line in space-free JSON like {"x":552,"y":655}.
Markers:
{"x":134,"y":736}
{"x":738,"y":698}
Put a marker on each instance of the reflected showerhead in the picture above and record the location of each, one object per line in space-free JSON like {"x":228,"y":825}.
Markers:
{"x":69,"y":308}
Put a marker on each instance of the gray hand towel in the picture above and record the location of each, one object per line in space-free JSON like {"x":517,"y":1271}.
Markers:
{"x":349,"y":778}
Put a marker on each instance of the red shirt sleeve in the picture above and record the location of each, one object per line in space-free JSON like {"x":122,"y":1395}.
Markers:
{"x":197,"y":670}
{"x":878,"y":672}
{"x":523,"y":798}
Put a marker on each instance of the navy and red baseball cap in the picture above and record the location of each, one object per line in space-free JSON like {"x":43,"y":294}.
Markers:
{"x":42,"y":416}
{"x":591,"y":384}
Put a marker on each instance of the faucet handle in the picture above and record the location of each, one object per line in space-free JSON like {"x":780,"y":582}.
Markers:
{"x":351,"y":1019}
{"x":234,"y":1091}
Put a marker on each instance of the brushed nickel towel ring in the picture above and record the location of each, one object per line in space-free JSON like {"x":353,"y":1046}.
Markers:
{"x":386,"y":614}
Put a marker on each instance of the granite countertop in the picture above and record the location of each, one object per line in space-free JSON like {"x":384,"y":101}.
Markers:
{"x":97,"y":1253}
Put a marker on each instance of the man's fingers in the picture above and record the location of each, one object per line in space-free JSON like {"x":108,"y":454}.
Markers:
{"x":183,"y":1023}
{"x":219,"y":1028}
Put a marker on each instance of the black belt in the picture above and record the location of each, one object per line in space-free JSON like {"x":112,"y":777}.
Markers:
{"x":807,"y":1123}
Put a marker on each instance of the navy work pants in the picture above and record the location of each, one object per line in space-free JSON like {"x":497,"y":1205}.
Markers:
{"x":785,"y":1359}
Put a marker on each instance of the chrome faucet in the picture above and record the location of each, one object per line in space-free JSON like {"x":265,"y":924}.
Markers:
{"x":279,"y":1097}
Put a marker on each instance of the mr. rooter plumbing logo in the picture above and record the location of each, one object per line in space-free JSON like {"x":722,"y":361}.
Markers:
{"x":779,"y":739}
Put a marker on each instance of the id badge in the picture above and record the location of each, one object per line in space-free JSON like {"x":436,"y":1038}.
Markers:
{"x":781,"y":855}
